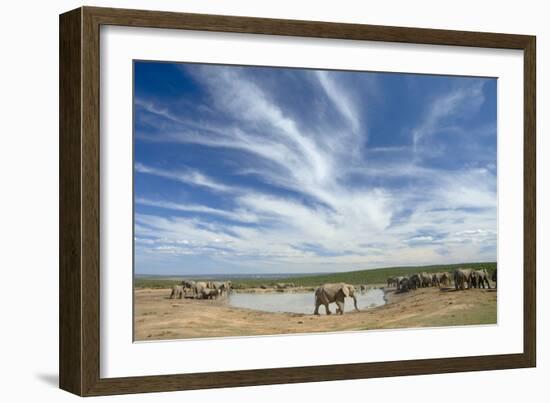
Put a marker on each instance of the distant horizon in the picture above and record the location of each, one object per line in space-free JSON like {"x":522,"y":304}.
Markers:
{"x":279,"y":170}
{"x":260,"y":274}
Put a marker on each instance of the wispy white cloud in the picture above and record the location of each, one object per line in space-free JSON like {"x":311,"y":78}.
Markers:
{"x":240,"y":215}
{"x":188,"y":177}
{"x":340,"y":99}
{"x":463,"y":100}
{"x":337,"y":198}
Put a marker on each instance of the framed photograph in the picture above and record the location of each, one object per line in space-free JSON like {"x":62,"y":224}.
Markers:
{"x":248,"y":201}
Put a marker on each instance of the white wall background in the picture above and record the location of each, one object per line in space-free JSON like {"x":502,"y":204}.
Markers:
{"x":29,"y":196}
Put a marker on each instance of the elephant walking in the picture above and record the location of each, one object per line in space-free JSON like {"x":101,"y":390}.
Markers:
{"x":480,"y":278}
{"x":177,"y":292}
{"x":494,"y":277}
{"x":328,"y":293}
{"x":462,"y":276}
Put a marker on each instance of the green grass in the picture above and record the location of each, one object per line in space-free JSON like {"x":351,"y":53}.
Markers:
{"x":373,"y":276}
{"x":482,"y":315}
{"x":151,"y":282}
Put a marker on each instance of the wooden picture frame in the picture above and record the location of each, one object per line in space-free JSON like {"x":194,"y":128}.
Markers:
{"x":80,"y":199}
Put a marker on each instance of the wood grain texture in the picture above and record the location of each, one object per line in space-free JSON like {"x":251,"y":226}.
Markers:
{"x":90,"y":202}
{"x":530,"y":202}
{"x":70,"y":273}
{"x":80,"y":200}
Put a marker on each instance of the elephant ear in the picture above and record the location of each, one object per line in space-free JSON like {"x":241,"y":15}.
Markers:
{"x":345,"y":290}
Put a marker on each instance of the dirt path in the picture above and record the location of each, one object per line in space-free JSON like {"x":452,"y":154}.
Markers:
{"x":158,"y":318}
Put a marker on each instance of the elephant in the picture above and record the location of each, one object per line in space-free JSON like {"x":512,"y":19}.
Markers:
{"x":188,"y":287}
{"x":398,"y":282}
{"x":220,"y":286}
{"x":177,"y":292}
{"x":405,"y":284}
{"x":228,"y":287}
{"x":391,"y":281}
{"x":462,"y":276}
{"x":224,"y":287}
{"x":494,"y":277}
{"x":417,"y":280}
{"x":480,"y":278}
{"x":363,"y":288}
{"x":426,"y":279}
{"x":445,"y":279}
{"x":208,"y":293}
{"x":337,"y":292}
{"x":198,"y":287}
{"x":188,"y":284}
{"x":436,"y":279}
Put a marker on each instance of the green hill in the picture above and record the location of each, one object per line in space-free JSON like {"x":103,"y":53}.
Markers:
{"x":373,"y":276}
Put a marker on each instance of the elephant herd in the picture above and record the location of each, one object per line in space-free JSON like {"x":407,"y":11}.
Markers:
{"x":338,"y":292}
{"x":201,"y":289}
{"x":460,"y":276}
{"x":473,"y":278}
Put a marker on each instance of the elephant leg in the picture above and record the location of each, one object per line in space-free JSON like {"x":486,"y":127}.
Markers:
{"x":317,"y":305}
{"x":327,"y":309}
{"x":340,"y":307}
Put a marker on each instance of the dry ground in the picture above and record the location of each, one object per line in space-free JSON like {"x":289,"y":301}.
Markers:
{"x":159,"y":318}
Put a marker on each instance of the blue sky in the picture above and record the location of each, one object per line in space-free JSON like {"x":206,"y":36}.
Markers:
{"x":258,"y":169}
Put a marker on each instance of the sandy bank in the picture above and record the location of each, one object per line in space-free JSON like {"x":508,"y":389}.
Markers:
{"x":157,"y":317}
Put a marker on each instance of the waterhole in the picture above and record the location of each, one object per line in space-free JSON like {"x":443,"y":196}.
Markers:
{"x":301,"y":302}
